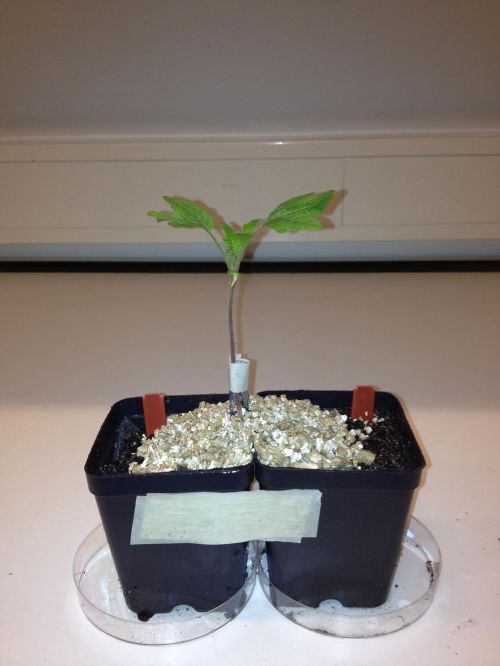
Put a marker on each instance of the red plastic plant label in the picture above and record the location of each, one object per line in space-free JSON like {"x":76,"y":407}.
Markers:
{"x":155,"y":414}
{"x":363,"y":401}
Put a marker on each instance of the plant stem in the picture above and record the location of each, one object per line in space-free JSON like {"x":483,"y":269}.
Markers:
{"x":232,"y":348}
{"x":219,"y":246}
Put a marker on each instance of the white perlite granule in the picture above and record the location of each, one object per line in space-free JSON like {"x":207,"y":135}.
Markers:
{"x":282,"y":432}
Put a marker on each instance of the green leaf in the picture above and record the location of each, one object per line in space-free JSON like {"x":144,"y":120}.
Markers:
{"x":236,"y":241}
{"x":296,"y":223}
{"x":250,"y":227}
{"x":300,"y":213}
{"x":177,"y":222}
{"x":171,"y":218}
{"x":311,"y":204}
{"x":242,"y":240}
{"x":186,"y":213}
{"x":159,"y":216}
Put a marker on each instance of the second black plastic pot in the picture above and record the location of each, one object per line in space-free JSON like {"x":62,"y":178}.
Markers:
{"x":157,"y":577}
{"x":364,"y":514}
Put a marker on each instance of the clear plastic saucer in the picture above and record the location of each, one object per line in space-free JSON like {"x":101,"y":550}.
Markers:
{"x":103,"y":603}
{"x":410,"y":596}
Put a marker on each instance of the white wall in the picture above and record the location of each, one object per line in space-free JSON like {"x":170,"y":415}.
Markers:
{"x":105,"y":106}
{"x":240,"y":68}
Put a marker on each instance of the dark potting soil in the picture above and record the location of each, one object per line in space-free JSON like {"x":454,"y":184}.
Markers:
{"x":389,"y":441}
{"x":128,"y":439}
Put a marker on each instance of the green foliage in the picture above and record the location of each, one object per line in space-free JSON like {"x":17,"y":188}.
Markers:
{"x":251,"y":227}
{"x":236,"y":243}
{"x":186,"y":213}
{"x":300,"y":213}
{"x":296,"y":214}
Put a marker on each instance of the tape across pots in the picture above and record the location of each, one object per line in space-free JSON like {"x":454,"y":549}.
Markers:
{"x":352,"y":558}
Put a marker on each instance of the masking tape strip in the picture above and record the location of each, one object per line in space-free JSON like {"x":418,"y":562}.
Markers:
{"x":221,"y":518}
{"x":238,"y":374}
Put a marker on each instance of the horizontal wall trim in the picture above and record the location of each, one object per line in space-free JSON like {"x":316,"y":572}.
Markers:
{"x":110,"y":151}
{"x":423,"y":266}
{"x":225,"y":137}
{"x":437,"y":250}
{"x":398,"y":198}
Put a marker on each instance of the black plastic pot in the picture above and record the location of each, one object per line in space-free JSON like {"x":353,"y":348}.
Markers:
{"x":156,"y":578}
{"x":364,"y":514}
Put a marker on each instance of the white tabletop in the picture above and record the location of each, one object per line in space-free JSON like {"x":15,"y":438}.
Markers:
{"x":72,"y":344}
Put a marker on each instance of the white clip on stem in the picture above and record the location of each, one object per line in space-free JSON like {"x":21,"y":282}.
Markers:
{"x":238,"y":374}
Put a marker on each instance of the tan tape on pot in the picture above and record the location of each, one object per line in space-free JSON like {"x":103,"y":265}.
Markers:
{"x":220,"y":518}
